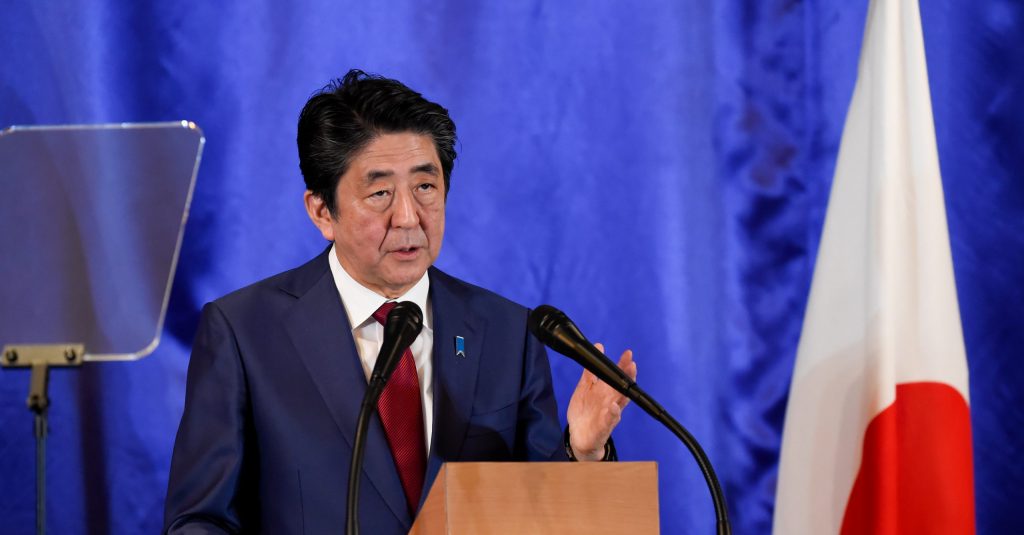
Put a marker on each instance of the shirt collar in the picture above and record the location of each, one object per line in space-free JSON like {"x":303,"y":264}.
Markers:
{"x":361,"y":302}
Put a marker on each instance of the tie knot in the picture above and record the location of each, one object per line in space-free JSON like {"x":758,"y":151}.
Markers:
{"x":381,"y":315}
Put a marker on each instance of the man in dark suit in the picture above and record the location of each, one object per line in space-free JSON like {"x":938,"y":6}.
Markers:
{"x":279,"y":368}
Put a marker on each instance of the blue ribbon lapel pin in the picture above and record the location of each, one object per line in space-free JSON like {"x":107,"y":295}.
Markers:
{"x":460,"y":347}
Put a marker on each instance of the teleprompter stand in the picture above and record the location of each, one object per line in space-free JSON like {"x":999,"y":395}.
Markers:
{"x":91,"y":220}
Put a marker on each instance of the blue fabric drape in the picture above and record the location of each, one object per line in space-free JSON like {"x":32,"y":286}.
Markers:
{"x":659,"y":170}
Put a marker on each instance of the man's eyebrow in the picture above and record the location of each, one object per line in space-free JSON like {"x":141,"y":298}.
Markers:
{"x":428,"y":168}
{"x":374,"y":174}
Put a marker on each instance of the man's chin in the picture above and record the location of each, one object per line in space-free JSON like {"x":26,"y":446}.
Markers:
{"x":404,"y":275}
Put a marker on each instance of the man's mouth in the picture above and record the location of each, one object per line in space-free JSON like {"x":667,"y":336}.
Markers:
{"x":406,"y":252}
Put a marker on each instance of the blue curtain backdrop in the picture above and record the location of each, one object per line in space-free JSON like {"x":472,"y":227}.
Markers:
{"x":659,"y":170}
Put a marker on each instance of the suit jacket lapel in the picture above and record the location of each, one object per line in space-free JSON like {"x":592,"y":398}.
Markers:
{"x":319,"y":330}
{"x":455,"y":377}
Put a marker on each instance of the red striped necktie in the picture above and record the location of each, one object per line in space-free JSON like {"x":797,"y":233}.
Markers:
{"x":401,"y":412}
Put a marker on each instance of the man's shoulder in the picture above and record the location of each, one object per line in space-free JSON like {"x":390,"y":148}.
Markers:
{"x":473,"y":296}
{"x":281,"y":288}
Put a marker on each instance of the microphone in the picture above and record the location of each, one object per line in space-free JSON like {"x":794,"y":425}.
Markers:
{"x":555,"y":330}
{"x":405,"y":321}
{"x":552,"y":327}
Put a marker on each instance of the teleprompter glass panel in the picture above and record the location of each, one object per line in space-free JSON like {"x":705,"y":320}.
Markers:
{"x":91,"y":220}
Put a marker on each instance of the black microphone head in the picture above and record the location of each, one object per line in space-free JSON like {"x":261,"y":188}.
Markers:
{"x":406,"y":317}
{"x":405,"y":321}
{"x":554,"y":329}
{"x":541,"y":320}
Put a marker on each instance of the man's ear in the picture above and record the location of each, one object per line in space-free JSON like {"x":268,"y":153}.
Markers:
{"x":319,"y":214}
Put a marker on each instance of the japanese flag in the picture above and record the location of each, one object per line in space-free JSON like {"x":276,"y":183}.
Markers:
{"x":877,"y":436}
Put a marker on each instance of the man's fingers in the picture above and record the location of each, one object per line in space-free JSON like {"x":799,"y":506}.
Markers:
{"x":627,"y":364}
{"x":631,"y":371}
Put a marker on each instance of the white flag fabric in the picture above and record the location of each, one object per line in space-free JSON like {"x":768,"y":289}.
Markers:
{"x":877,"y":432}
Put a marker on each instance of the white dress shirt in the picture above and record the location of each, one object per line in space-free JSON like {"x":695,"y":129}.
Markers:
{"x":360,"y":303}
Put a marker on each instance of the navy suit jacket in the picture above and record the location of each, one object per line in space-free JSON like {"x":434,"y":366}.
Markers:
{"x":274,"y":388}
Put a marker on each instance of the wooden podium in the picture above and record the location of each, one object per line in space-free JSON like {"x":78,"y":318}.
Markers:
{"x":562,"y":498}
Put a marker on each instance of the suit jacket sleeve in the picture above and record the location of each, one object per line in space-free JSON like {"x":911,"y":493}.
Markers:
{"x":204,"y":492}
{"x":539,"y":434}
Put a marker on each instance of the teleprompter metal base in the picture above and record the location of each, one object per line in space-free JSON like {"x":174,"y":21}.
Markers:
{"x":40,"y":358}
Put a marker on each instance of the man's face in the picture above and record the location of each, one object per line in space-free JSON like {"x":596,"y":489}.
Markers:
{"x":390,"y":213}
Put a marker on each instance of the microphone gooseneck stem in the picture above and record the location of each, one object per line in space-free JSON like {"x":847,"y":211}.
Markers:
{"x":355,"y":469}
{"x":404,"y":322}
{"x":652,"y":407}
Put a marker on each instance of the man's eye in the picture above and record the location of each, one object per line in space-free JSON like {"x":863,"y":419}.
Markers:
{"x":380,"y":193}
{"x":427,"y":186}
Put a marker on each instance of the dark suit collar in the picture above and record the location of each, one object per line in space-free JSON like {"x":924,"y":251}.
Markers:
{"x":320,"y":331}
{"x":298,"y":281}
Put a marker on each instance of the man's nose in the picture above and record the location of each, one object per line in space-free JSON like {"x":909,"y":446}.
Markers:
{"x":404,"y":214}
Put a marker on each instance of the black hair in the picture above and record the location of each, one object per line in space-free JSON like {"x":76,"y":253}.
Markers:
{"x":346,"y":115}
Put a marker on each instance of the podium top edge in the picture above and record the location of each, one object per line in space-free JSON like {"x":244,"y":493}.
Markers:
{"x":189,"y":125}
